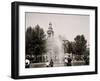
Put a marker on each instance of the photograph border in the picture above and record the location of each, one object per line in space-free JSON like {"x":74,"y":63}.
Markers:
{"x":15,"y":39}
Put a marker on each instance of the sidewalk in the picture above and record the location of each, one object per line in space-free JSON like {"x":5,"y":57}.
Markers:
{"x":43,"y":64}
{"x":37,"y":65}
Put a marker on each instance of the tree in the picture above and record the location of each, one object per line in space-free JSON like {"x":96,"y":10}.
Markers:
{"x":73,"y":47}
{"x":28,"y":39}
{"x":69,"y":47}
{"x":80,"y":44}
{"x":35,"y":41}
{"x":38,"y":41}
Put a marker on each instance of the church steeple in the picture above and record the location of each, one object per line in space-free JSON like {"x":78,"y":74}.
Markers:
{"x":50,"y":31}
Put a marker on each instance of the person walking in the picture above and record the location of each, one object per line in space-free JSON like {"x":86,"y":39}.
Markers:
{"x":69,"y":61}
{"x":47,"y":63}
{"x":65,"y":61}
{"x":51,"y":63}
{"x":27,"y":63}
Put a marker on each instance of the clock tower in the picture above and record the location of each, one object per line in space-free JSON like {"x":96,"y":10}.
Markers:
{"x":50,"y":31}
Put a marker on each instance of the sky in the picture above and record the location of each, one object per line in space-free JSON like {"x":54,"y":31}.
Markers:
{"x":67,"y":25}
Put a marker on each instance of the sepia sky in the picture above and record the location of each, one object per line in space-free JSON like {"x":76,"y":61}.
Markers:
{"x":66,"y":25}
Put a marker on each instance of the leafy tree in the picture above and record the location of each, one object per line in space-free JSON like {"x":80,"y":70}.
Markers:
{"x":73,"y":47}
{"x":28,"y":39}
{"x":38,"y":41}
{"x":35,"y":41}
{"x":80,"y":44}
{"x":69,"y":47}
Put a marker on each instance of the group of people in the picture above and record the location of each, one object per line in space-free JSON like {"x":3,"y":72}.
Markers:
{"x":50,"y":64}
{"x":68,"y":61}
